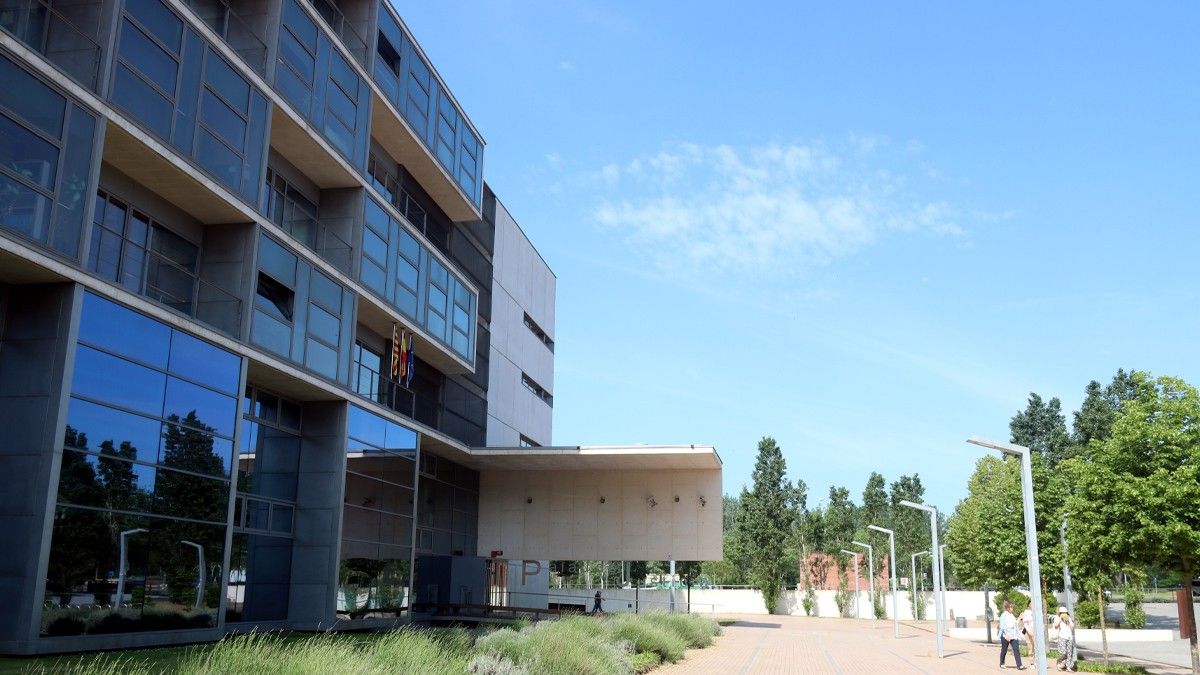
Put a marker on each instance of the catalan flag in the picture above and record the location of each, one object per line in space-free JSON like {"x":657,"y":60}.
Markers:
{"x":405,"y":338}
{"x":397,"y":352}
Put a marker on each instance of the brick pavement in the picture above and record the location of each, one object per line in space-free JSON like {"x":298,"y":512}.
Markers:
{"x":763,"y":644}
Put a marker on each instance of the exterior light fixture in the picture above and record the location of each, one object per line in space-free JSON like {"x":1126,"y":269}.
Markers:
{"x":703,"y":501}
{"x":676,"y":499}
{"x":529,"y":500}
{"x":602,"y":500}
{"x":650,"y":501}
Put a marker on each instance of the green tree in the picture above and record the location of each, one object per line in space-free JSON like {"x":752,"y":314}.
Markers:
{"x":1042,"y":428}
{"x":767,"y":516}
{"x":1143,"y":482}
{"x":911,"y":526}
{"x":841,"y":520}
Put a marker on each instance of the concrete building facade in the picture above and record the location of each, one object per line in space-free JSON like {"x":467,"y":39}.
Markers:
{"x":262,"y":327}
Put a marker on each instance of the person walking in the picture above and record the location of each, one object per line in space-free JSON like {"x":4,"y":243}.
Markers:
{"x":1009,"y":637}
{"x":596,"y":609}
{"x":1026,"y":625}
{"x":1065,"y":626}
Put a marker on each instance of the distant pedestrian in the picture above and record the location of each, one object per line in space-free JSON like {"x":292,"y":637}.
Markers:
{"x":1026,"y":620}
{"x":1009,"y":636}
{"x":596,"y":609}
{"x":1066,"y":640}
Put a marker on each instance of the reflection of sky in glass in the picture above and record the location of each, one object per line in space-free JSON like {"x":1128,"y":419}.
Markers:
{"x":101,"y":424}
{"x":115,"y":380}
{"x":124,"y":331}
{"x":371,"y":433}
{"x":215,"y":410}
{"x":198,"y":360}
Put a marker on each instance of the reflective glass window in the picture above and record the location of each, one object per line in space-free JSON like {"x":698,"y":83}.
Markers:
{"x":186,"y":496}
{"x":323,"y":324}
{"x":224,"y":80}
{"x":203,"y":362}
{"x":36,"y":103}
{"x":367,"y":427}
{"x":159,"y":20}
{"x":119,"y":329}
{"x":153,"y":61}
{"x":105,"y":481}
{"x":188,"y":448}
{"x":142,"y":101}
{"x":200,"y":407}
{"x":215,"y":156}
{"x":298,"y":21}
{"x":327,"y":292}
{"x":108,"y":378}
{"x":276,"y":261}
{"x":26,"y":210}
{"x":27,"y":154}
{"x":223,"y":120}
{"x":91,"y":426}
{"x":320,"y":358}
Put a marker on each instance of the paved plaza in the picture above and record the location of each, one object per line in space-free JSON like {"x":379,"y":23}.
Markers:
{"x":794,"y":644}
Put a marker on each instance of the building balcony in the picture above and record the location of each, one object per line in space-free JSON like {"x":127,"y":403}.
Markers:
{"x":67,"y":34}
{"x":243,"y":34}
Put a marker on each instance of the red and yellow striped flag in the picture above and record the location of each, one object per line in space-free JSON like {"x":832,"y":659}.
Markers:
{"x":397,"y":350}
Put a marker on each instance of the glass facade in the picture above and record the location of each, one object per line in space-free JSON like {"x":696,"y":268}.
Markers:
{"x":408,"y":82}
{"x":144,"y":484}
{"x":377,"y":518}
{"x":46,"y":151}
{"x":449,"y":511}
{"x":322,"y":85}
{"x":397,"y":267}
{"x":177,"y":86}
{"x":260,"y":563}
{"x":301,"y":314}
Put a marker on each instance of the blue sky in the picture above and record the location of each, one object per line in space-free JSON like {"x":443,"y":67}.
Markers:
{"x":866,"y":229}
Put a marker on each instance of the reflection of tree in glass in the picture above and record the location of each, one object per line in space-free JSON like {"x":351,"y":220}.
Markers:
{"x":83,"y":550}
{"x":188,"y":445}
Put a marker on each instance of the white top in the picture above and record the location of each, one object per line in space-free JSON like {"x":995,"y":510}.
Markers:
{"x":1066,"y":627}
{"x":1008,"y":626}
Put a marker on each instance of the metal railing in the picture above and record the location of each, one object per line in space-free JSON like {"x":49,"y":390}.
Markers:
{"x":49,"y":32}
{"x":182,"y":290}
{"x":337,"y":21}
{"x":224,"y":21}
{"x":390,"y":393}
{"x":317,"y":236}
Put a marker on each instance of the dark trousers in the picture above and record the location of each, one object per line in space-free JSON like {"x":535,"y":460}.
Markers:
{"x":596,"y":607}
{"x":1016,"y":649}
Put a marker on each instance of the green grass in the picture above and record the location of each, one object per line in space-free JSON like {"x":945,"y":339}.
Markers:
{"x":1085,"y":666}
{"x":620,"y":644}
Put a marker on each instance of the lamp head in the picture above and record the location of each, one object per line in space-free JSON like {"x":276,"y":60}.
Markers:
{"x":1006,"y":448}
{"x":922,"y":507}
{"x":880,"y":529}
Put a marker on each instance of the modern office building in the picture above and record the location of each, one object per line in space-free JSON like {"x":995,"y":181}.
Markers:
{"x":271,"y":352}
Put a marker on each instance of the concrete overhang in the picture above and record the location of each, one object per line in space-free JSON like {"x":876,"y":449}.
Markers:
{"x":596,"y":458}
{"x":392,"y":132}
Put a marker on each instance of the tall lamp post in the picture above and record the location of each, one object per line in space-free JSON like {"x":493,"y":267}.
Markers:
{"x":942,"y":575}
{"x":914,"y":573}
{"x":891,"y":576}
{"x":1062,"y":534}
{"x":121,"y":564}
{"x":1031,"y":543}
{"x":937,"y":586}
{"x":855,"y":554}
{"x":871,"y":575}
{"x":199,"y":570}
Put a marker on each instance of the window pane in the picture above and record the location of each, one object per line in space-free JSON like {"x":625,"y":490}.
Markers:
{"x":92,"y":427}
{"x":219,"y":159}
{"x":116,"y":328}
{"x":341,"y":104}
{"x":407,"y":274}
{"x":107,"y":378}
{"x":146,"y":105}
{"x":206,"y":363}
{"x":374,"y":246}
{"x":105,"y":481}
{"x":199,"y":407}
{"x":153,"y":62}
{"x":223,"y":120}
{"x":340,"y":135}
{"x":293,"y":88}
{"x":26,"y":211}
{"x":26,"y":96}
{"x":186,"y":496}
{"x":192,"y":450}
{"x":222,"y":78}
{"x":321,"y":359}
{"x":277,"y":261}
{"x":271,"y":334}
{"x":292,"y":52}
{"x":367,"y":427}
{"x":327,"y":292}
{"x":343,"y":74}
{"x":298,"y":21}
{"x":323,"y":325}
{"x":26,"y":154}
{"x":161,"y":21}
{"x":281,"y":519}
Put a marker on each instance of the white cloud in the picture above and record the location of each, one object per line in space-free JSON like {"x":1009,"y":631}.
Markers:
{"x":567,"y":66}
{"x":766,"y":208}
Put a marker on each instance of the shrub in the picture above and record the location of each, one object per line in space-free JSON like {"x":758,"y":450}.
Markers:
{"x":810,"y":602}
{"x":880,"y":609}
{"x":649,"y":635}
{"x":494,"y":664}
{"x":65,"y":625}
{"x":1087,"y":612}
{"x":645,"y":661}
{"x":1019,"y":600}
{"x":694,"y":630}
{"x":1135,"y":617}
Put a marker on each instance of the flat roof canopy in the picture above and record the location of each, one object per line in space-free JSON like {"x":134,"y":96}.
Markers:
{"x":595,"y":457}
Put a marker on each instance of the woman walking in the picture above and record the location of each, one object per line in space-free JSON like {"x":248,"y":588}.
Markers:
{"x":1026,"y":626}
{"x":1009,"y":636}
{"x":1066,"y":640}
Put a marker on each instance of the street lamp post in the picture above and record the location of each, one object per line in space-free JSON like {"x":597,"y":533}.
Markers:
{"x":914,"y":580}
{"x":891,"y":576}
{"x":121,"y":564}
{"x":1062,"y":534}
{"x":199,"y":570}
{"x":942,"y":574}
{"x":870,"y":573}
{"x":937,"y":600}
{"x":855,"y":554}
{"x":1031,"y":543}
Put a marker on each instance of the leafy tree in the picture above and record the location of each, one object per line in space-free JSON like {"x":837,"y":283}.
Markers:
{"x":1143,"y":482}
{"x":874,"y":501}
{"x":1094,"y":418}
{"x":767,"y":516}
{"x":1042,"y":428}
{"x":841,"y":520}
{"x":911,"y":526}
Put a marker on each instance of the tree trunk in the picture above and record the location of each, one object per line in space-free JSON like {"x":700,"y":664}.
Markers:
{"x":1191,"y":627}
{"x":1103,"y":628}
